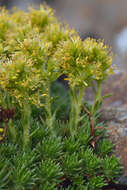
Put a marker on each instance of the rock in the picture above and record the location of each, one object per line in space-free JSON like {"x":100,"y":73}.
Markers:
{"x":116,"y":122}
{"x":123,"y":180}
{"x":116,"y":85}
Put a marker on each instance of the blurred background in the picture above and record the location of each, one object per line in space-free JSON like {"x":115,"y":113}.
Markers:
{"x":105,"y":19}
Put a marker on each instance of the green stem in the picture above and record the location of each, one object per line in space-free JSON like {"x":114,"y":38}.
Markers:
{"x":97,"y":98}
{"x":12,"y":130}
{"x":76,"y":102}
{"x":49,"y":117}
{"x":26,"y":124}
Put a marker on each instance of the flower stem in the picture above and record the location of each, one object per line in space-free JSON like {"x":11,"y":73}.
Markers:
{"x":26,"y":123}
{"x":76,"y":102}
{"x":97,"y":98}
{"x":49,"y":117}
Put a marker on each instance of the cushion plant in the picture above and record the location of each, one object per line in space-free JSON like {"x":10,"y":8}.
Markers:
{"x":52,"y":143}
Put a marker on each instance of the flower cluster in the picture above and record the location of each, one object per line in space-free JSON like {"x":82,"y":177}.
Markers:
{"x":83,"y":62}
{"x":26,"y":52}
{"x":41,"y":18}
{"x":21,"y":80}
{"x":41,"y":50}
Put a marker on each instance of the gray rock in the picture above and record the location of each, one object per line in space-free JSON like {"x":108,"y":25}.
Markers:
{"x":123,"y":180}
{"x":116,"y":122}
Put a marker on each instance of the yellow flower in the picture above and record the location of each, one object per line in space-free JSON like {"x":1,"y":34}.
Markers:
{"x":1,"y":130}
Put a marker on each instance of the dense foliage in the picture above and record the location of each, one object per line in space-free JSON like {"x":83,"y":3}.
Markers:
{"x":50,"y":138}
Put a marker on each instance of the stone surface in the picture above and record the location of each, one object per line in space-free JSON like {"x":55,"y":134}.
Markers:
{"x":116,"y":122}
{"x":116,"y":85}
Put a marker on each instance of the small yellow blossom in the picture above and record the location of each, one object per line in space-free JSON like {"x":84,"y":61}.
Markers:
{"x":1,"y":130}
